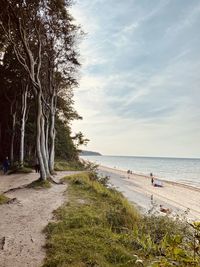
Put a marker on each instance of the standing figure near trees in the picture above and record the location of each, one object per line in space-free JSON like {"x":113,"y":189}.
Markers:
{"x":37,"y":166}
{"x":6,"y":164}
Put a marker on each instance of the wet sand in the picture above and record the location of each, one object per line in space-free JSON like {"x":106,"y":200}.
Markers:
{"x":179,"y":198}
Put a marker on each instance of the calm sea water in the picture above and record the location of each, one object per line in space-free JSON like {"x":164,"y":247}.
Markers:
{"x":186,"y":171}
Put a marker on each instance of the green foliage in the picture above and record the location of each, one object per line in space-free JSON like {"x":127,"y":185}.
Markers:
{"x":64,"y":146}
{"x":3,"y":199}
{"x":39,"y":184}
{"x":90,"y":166}
{"x":68,"y":166}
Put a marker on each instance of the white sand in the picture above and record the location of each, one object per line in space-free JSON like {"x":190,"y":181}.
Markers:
{"x":22,"y":222}
{"x":138,"y":189}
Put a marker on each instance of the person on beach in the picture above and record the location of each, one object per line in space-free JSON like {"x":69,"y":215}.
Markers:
{"x":152,"y":179}
{"x":165,"y":210}
{"x":6,"y":164}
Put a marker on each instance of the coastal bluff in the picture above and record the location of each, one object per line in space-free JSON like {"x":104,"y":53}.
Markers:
{"x":89,"y":153}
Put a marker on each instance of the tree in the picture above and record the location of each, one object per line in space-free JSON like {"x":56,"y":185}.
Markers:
{"x":43,"y":36}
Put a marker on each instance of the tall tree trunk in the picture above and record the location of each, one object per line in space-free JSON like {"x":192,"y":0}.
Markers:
{"x":43,"y":147}
{"x":52,"y":135}
{"x":47,"y":137}
{"x":12,"y":138}
{"x":43,"y":174}
{"x":23,"y":122}
{"x":52,"y":144}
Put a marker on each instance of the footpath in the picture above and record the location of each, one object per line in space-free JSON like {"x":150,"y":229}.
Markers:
{"x":23,"y":219}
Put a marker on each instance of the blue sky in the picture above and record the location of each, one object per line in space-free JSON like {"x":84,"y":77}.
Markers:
{"x":139,"y":90}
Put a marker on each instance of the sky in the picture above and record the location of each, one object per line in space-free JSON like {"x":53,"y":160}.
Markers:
{"x":139,"y":92}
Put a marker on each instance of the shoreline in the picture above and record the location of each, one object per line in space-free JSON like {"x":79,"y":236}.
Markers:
{"x":138,"y":189}
{"x":186,"y":174}
{"x":157,"y":178}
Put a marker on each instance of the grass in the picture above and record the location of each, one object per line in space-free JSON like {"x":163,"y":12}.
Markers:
{"x":39,"y":184}
{"x":67,"y":166}
{"x":88,"y":232}
{"x":98,"y":227}
{"x":3,"y":199}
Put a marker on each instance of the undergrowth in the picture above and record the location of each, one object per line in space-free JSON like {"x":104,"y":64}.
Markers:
{"x":39,"y":184}
{"x":68,"y":166}
{"x":98,"y":227}
{"x":15,"y":170}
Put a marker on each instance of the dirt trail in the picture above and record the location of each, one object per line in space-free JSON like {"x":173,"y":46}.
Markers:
{"x":22,"y":222}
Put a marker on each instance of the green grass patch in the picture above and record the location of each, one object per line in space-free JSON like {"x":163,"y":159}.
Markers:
{"x":3,"y":199}
{"x":99,"y":227}
{"x":68,"y":166}
{"x":39,"y":184}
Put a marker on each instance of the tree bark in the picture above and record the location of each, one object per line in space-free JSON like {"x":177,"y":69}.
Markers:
{"x":23,"y":122}
{"x":52,"y":137}
{"x":43,"y":146}
{"x":47,"y":137}
{"x":43,"y":174}
{"x":12,"y":138}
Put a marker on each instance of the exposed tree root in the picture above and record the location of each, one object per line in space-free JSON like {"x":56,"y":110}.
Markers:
{"x":51,"y":180}
{"x":14,"y":189}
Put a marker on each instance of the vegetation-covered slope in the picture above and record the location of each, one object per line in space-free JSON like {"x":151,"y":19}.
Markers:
{"x":98,"y":227}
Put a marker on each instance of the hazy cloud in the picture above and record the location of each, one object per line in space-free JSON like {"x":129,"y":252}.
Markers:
{"x":139,"y":89}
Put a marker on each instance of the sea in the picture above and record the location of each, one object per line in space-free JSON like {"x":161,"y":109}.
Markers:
{"x":182,"y":170}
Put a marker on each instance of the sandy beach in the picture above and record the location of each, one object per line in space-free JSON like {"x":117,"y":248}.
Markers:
{"x":138,"y":189}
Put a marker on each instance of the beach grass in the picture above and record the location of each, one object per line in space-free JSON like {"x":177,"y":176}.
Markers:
{"x":67,"y":166}
{"x":97,"y":226}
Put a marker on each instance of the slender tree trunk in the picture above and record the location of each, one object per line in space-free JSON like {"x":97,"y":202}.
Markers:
{"x":23,"y":122}
{"x":47,"y":137}
{"x":43,"y":147}
{"x":12,"y":138}
{"x":52,"y":136}
{"x":43,"y":174}
{"x":52,"y":144}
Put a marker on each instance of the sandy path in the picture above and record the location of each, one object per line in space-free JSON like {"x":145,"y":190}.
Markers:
{"x":22,"y":222}
{"x":138,"y":188}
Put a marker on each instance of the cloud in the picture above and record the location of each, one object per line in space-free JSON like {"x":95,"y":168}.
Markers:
{"x":140,"y":80}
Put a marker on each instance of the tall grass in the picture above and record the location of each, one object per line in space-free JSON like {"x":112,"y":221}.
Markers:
{"x":68,"y":166}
